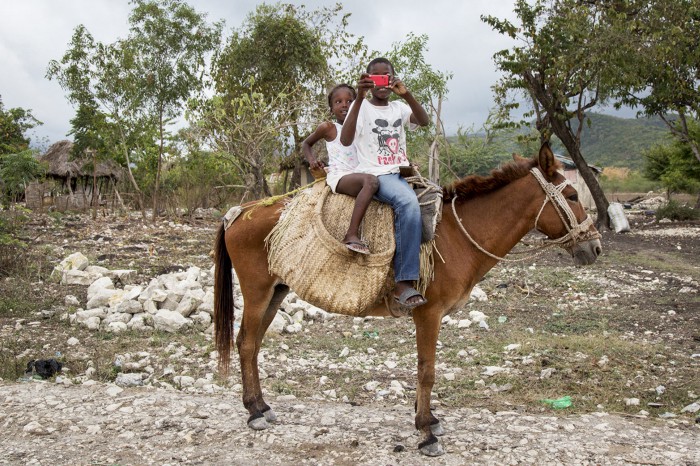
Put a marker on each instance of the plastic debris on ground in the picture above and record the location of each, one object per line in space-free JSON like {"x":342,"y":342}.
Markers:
{"x":559,"y":403}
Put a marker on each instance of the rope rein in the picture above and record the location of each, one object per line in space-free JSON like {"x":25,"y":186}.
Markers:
{"x":576,"y":232}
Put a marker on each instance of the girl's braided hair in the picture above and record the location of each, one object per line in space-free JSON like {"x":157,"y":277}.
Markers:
{"x":340,"y":86}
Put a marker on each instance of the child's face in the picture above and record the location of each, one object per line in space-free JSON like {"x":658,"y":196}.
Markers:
{"x":340,"y":103}
{"x":381,"y":93}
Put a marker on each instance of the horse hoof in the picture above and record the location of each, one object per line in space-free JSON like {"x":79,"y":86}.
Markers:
{"x":433,"y":449}
{"x":270,"y":415}
{"x":437,"y":429}
{"x":259,"y":423}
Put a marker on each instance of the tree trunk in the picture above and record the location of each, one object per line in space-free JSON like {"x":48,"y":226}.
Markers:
{"x":116,"y":193}
{"x":573,"y":146}
{"x":94,"y":185}
{"x":139,"y":194}
{"x":296,"y":173}
{"x":160,"y":159}
{"x":434,"y":156}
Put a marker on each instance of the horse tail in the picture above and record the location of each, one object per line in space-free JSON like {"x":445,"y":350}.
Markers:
{"x":223,"y":301}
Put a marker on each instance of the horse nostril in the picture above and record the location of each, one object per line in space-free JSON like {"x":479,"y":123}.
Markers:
{"x":598,"y":251}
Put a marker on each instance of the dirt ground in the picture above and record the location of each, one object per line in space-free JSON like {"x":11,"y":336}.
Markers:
{"x":620,"y":337}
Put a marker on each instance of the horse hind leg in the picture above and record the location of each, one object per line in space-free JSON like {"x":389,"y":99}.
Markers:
{"x":253,"y":327}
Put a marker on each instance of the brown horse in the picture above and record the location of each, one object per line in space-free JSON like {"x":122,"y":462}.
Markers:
{"x":483,"y":219}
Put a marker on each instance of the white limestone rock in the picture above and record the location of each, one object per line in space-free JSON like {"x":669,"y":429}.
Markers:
{"x":169,"y":321}
{"x":124,"y":277}
{"x":77,"y":277}
{"x":103,"y":283}
{"x":190,"y":301}
{"x":477,"y":294}
{"x":75,"y":261}
{"x":129,"y":379}
{"x":130,"y":307}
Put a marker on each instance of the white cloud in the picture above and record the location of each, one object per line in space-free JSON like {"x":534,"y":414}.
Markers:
{"x":33,"y":32}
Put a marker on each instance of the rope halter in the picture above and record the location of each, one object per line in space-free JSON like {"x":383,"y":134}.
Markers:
{"x":576,"y":232}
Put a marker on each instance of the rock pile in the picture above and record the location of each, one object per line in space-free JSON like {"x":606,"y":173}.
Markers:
{"x":170,"y":302}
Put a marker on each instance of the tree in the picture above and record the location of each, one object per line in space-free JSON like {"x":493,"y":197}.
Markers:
{"x":101,"y":82}
{"x":291,"y":52}
{"x":428,"y":86}
{"x":563,"y":67}
{"x":171,"y":41}
{"x":18,"y":163}
{"x":14,"y":123}
{"x":674,"y":164}
{"x":16,"y":170}
{"x":247,"y":131}
{"x":664,"y":68}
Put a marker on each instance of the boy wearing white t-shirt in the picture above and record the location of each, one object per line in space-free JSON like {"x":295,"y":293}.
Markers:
{"x":377,"y":127}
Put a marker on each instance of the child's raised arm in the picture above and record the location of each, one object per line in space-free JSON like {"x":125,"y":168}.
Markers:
{"x":347,"y":135}
{"x":419,"y":115}
{"x":324,"y":131}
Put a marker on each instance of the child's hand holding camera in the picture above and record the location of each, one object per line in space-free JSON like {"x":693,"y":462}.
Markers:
{"x":398,"y":87}
{"x":364,"y":84}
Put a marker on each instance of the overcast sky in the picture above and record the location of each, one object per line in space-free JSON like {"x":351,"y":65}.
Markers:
{"x":33,"y":32}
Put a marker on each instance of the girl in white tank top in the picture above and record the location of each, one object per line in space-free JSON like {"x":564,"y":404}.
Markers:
{"x":342,"y":161}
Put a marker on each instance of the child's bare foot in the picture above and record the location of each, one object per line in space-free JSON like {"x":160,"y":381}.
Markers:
{"x":354,"y":243}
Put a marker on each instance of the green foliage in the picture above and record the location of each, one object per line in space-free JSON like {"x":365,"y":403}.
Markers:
{"x":473,"y":153}
{"x":247,"y":132}
{"x":617,"y":142}
{"x":664,"y":62}
{"x":429,"y":87}
{"x":675,"y":211}
{"x":127,"y":92}
{"x":276,"y":48}
{"x":11,"y":246}
{"x":14,"y":123}
{"x":563,"y":65}
{"x":674,"y":164}
{"x":16,"y":170}
{"x":278,"y":64}
{"x":426,"y":84}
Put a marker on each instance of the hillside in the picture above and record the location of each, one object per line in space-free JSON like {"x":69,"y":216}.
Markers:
{"x":609,"y":141}
{"x":619,"y":142}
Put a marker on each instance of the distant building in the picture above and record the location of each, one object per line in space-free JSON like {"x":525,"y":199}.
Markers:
{"x":572,"y":174}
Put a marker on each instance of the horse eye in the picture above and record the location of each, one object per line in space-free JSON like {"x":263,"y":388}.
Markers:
{"x":573,"y":198}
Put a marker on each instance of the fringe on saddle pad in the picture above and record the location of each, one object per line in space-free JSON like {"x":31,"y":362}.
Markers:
{"x":306,"y":251}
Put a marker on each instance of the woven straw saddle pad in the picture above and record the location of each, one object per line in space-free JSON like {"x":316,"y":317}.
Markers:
{"x":306,"y":251}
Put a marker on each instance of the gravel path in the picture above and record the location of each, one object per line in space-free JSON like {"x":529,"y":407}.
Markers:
{"x":51,"y":424}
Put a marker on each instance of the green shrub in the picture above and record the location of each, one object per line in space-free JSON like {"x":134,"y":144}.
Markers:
{"x":676,"y":211}
{"x":11,"y":247}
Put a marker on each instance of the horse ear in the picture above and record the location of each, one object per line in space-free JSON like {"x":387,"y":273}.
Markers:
{"x":518,"y":157}
{"x":547,"y":161}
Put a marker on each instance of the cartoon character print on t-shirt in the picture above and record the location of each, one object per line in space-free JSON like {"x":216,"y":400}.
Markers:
{"x":390,"y":151}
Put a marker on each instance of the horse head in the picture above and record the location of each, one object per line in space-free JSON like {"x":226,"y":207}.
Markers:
{"x":562,"y":218}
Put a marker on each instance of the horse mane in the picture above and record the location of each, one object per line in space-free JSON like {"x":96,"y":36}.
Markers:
{"x":476,"y":185}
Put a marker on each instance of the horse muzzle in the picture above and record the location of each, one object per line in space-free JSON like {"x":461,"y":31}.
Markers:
{"x":586,"y":252}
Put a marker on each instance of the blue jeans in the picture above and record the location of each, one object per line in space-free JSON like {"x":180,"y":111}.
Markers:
{"x":394,"y":190}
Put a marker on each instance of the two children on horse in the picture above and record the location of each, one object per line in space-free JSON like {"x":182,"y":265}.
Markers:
{"x":365,"y":154}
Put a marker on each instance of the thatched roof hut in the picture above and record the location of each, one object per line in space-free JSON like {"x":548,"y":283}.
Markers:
{"x":60,"y":165}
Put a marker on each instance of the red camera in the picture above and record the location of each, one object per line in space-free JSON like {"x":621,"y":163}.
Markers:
{"x":380,"y":80}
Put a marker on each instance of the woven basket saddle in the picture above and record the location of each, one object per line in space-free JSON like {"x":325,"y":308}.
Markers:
{"x":306,"y":251}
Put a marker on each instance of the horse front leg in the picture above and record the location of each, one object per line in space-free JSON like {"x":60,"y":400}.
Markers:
{"x":259,"y":311}
{"x":427,"y":323}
